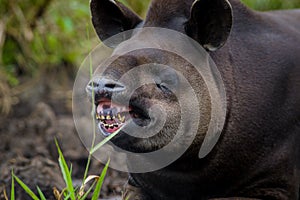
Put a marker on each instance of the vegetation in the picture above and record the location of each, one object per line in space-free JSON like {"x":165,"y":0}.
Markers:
{"x":69,"y":192}
{"x":264,"y":5}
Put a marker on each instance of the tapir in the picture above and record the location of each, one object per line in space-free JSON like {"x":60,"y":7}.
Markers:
{"x":258,"y":56}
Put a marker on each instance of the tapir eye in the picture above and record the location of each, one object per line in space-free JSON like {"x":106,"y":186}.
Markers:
{"x":167,"y":80}
{"x":164,"y":87}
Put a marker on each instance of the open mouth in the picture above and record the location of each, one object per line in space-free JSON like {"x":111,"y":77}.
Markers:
{"x":112,"y":117}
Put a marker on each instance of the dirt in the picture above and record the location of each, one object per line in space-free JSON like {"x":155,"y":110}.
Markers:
{"x":27,"y":143}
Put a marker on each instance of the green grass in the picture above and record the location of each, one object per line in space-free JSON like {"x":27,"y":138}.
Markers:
{"x":25,"y":187}
{"x":103,"y":142}
{"x":65,"y":172}
{"x":69,"y":192}
{"x":42,"y":196}
{"x":100,"y":182}
{"x":264,"y":5}
{"x":12,"y":191}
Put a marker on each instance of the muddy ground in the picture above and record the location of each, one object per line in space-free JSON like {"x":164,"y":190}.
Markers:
{"x":42,"y":113}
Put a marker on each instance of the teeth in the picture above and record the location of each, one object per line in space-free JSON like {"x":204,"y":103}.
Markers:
{"x":123,"y":119}
{"x":106,"y":116}
{"x":119,"y":117}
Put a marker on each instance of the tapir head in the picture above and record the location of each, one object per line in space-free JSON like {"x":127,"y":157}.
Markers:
{"x":208,"y":22}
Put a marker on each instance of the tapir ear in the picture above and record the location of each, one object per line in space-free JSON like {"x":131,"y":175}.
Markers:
{"x":210,"y":23}
{"x":110,"y":17}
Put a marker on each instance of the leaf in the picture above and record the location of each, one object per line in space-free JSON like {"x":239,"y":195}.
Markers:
{"x":65,"y":172}
{"x":96,"y":193}
{"x":12,"y":191}
{"x":26,"y":188}
{"x":42,"y":196}
{"x":103,"y":142}
{"x":88,"y":179}
{"x":127,"y":198}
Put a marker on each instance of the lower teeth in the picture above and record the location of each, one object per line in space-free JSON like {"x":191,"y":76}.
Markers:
{"x":111,"y":126}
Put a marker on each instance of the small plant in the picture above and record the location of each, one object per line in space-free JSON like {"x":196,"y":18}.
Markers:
{"x":69,"y":192}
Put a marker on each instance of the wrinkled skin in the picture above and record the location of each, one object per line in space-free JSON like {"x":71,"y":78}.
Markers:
{"x":257,"y":54}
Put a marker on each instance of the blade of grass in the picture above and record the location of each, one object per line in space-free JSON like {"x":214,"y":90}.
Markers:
{"x":71,"y":169}
{"x":125,"y":3}
{"x":103,"y":142}
{"x":65,"y":172}
{"x":42,"y":196}
{"x":67,"y":196}
{"x":127,"y":198}
{"x":89,"y":178}
{"x":94,"y":108}
{"x":98,"y":187}
{"x":26,"y":188}
{"x":12,"y":191}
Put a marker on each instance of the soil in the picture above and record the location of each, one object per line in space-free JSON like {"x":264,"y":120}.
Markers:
{"x":43,"y":113}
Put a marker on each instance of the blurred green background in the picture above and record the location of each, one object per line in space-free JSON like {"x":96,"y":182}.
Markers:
{"x":41,"y":36}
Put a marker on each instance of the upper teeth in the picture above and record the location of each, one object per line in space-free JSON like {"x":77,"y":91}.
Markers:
{"x":108,"y":117}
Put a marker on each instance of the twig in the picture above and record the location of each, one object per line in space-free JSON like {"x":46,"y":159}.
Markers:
{"x":2,"y":37}
{"x":4,"y":193}
{"x":40,"y":13}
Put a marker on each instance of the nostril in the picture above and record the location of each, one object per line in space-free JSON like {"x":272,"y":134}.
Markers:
{"x":113,"y":85}
{"x":110,"y":85}
{"x":93,"y":84}
{"x":103,"y":84}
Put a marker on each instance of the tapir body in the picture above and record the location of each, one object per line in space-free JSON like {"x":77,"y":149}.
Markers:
{"x":258,"y":56}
